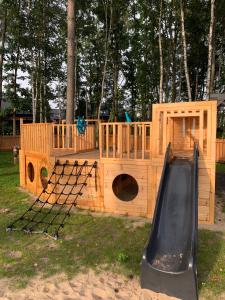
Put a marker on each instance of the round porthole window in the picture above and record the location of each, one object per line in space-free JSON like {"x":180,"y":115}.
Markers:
{"x":125,"y":187}
{"x":30,"y":171}
{"x":44,"y":177}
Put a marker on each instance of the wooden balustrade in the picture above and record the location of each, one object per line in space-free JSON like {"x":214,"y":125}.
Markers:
{"x":220,"y":150}
{"x":116,"y":140}
{"x":125,"y":140}
{"x":36,"y":138}
{"x":46,"y":138}
{"x":67,"y":137}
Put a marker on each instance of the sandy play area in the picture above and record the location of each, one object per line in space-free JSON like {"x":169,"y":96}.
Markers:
{"x":105,"y":286}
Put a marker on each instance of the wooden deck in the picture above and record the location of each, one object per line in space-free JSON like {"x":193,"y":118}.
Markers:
{"x":90,"y":155}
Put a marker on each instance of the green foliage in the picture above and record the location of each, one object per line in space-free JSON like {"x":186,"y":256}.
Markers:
{"x":88,"y":242}
{"x":122,"y":257}
{"x":220,"y":168}
{"x":35,"y":54}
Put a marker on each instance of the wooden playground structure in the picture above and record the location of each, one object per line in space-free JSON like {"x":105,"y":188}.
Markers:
{"x":129,"y":157}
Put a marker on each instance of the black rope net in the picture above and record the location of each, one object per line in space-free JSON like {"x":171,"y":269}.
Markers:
{"x":51,"y":209}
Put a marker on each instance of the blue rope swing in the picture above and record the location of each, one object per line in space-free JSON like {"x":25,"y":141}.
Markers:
{"x":81,"y":125}
{"x":128,"y":118}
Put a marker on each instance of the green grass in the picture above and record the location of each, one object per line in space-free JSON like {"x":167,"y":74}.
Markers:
{"x":88,"y":242}
{"x":220,"y":168}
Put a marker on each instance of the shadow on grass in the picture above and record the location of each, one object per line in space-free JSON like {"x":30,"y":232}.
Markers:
{"x":9,"y":173}
{"x":210,"y":263}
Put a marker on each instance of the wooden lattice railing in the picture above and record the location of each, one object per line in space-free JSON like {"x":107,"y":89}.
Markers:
{"x":125,"y":140}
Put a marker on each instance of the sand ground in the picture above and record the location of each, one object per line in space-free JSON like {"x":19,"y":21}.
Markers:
{"x":89,"y":286}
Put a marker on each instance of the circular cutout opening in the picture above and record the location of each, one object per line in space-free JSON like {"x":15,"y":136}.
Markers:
{"x":44,"y":177}
{"x":30,"y":170}
{"x":125,"y":187}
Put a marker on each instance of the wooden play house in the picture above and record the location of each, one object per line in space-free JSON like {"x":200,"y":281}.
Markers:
{"x":129,"y":157}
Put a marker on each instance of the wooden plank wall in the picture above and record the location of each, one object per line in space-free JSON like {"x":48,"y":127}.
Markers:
{"x":185,"y":133}
{"x":182,"y":124}
{"x":8,"y":142}
{"x":36,"y":138}
{"x":140,"y":172}
{"x":220,"y":150}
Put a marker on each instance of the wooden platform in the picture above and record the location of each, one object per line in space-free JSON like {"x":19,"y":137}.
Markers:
{"x":125,"y":153}
{"x":90,"y":156}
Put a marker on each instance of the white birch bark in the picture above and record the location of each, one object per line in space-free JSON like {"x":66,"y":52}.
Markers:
{"x":185,"y":51}
{"x":210,"y":51}
{"x":160,"y":56}
{"x":2,"y":50}
{"x":107,"y":40}
{"x":70,"y":61}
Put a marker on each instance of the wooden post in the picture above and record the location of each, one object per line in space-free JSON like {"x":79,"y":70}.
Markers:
{"x":128,"y":141}
{"x":135,"y":141}
{"x":143,"y":141}
{"x":107,"y":140}
{"x":14,"y":121}
{"x":201,"y":131}
{"x":21,"y":123}
{"x":120,"y":137}
{"x":114,"y":141}
{"x":100,"y":139}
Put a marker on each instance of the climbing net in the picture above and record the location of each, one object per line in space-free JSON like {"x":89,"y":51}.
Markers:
{"x":50,"y":210}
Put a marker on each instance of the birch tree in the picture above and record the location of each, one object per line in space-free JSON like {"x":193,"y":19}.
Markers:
{"x":209,"y":84}
{"x":2,"y":49}
{"x":108,"y":28}
{"x":160,"y":55}
{"x":70,"y":61}
{"x":185,"y":51}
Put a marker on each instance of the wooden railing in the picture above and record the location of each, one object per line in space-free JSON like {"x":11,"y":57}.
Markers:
{"x":220,"y":150}
{"x":50,"y":139}
{"x":36,"y":138}
{"x":67,"y":137}
{"x":125,"y":140}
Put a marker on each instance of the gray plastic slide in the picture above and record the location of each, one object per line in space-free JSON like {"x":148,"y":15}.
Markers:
{"x":169,"y":263}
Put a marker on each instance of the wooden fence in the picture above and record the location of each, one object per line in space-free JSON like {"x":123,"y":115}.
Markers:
{"x":125,"y":140}
{"x":50,"y":139}
{"x":220,"y":150}
{"x":8,"y":142}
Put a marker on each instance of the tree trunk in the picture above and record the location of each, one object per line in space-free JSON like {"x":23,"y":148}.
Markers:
{"x":160,"y":56}
{"x":180,"y":79}
{"x":41,"y":99}
{"x":115,"y":92}
{"x":14,"y":121}
{"x":34,"y":89}
{"x":209,"y":83}
{"x":75,"y":75}
{"x":70,"y":61}
{"x":2,"y":50}
{"x":174,"y":36}
{"x":196,"y":85}
{"x":107,"y":40}
{"x":15,"y":87}
{"x":185,"y":51}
